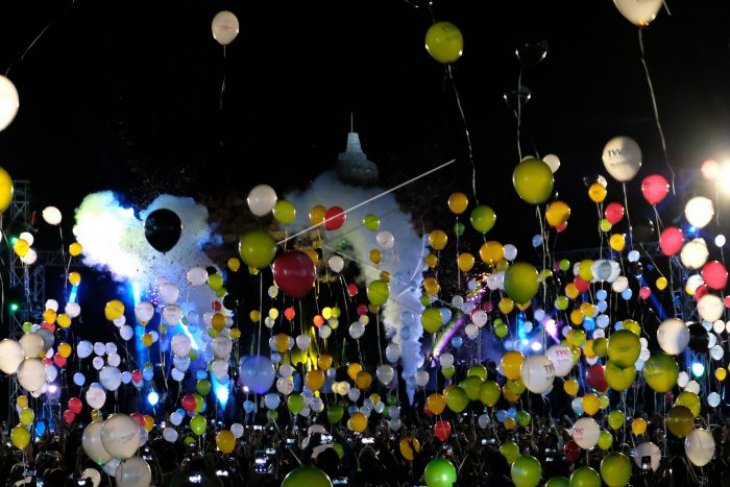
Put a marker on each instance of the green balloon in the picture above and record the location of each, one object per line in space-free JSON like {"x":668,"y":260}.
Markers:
{"x":203,"y":387}
{"x":472,"y":387}
{"x":520,"y":282}
{"x":257,"y":248}
{"x":616,"y":419}
{"x":558,"y":482}
{"x":585,"y":477}
{"x":533,"y":180}
{"x":457,"y":399}
{"x":616,"y":470}
{"x":448,"y":372}
{"x":431,"y":319}
{"x":459,"y":228}
{"x":477,"y":371}
{"x":439,"y":472}
{"x":619,"y":378}
{"x":371,"y":222}
{"x":483,"y":218}
{"x":284,"y":212}
{"x":510,"y":451}
{"x":500,"y":329}
{"x":378,"y":292}
{"x":272,"y":415}
{"x":605,"y":440}
{"x":661,"y":372}
{"x":523,"y":418}
{"x":526,"y":471}
{"x":306,"y":476}
{"x":489,"y":393}
{"x":295,"y":403}
{"x":335,"y":413}
{"x":198,"y":424}
{"x":624,"y":348}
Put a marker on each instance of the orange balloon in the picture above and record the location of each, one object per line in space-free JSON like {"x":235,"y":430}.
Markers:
{"x":458,"y":202}
{"x":316,"y":214}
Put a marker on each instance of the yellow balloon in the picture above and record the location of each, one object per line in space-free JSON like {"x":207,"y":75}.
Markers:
{"x":49,"y":316}
{"x":638,"y":426}
{"x":438,"y":239}
{"x":444,"y":42}
{"x":284,"y":212}
{"x":64,"y":350}
{"x":408,"y":447}
{"x":281,"y":342}
{"x":376,"y":256}
{"x":576,"y":317}
{"x":316,"y":214}
{"x":720,"y":374}
{"x":557,"y":213}
{"x":511,"y":364}
{"x":591,"y":404}
{"x":617,"y":242}
{"x":113,"y":309}
{"x":661,"y":283}
{"x":509,"y":394}
{"x":431,"y":286}
{"x":6,"y":190}
{"x":75,"y":249}
{"x":533,"y":180}
{"x":218,"y":322}
{"x":431,"y":260}
{"x":585,"y":269}
{"x":597,"y":192}
{"x":466,"y":262}
{"x":571,"y":290}
{"x":571,"y":387}
{"x":234,"y":264}
{"x":225,"y":441}
{"x":436,"y":403}
{"x":458,"y":203}
{"x":21,"y":247}
{"x":491,"y":252}
{"x":74,"y":278}
{"x":506,"y":305}
{"x":147,"y":340}
{"x":149,"y":422}
{"x":63,"y":320}
{"x":235,"y":333}
{"x":576,"y":337}
{"x":358,"y":422}
{"x":20,"y":437}
{"x":26,"y":416}
{"x":363,"y":380}
{"x":353,"y":369}
{"x":315,"y":379}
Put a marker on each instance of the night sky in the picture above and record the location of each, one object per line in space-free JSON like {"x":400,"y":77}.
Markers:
{"x":126,"y":96}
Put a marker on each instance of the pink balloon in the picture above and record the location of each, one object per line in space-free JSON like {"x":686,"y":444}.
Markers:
{"x":644,"y":293}
{"x":715,"y":275}
{"x":614,"y":212}
{"x":654,"y":188}
{"x":671,"y":241}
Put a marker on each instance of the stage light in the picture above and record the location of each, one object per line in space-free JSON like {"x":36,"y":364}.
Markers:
{"x":153,"y":398}
{"x":13,"y":240}
{"x":74,"y":294}
{"x":698,"y":369}
{"x":536,"y":346}
{"x":14,"y":307}
{"x":222,"y":393}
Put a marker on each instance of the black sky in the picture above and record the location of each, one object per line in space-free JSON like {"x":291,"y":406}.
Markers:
{"x":125,"y":95}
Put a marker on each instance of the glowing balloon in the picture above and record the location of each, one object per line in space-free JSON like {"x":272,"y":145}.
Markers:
{"x":225,"y":29}
{"x":639,"y":12}
{"x":533,"y":181}
{"x":654,"y":188}
{"x":699,"y":446}
{"x":444,"y":42}
{"x":622,"y":157}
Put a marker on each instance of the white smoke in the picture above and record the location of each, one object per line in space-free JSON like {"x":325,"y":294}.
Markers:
{"x":404,"y":261}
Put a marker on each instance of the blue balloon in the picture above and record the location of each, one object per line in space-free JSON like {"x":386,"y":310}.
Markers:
{"x":201,"y":374}
{"x":512,"y":412}
{"x":40,"y":428}
{"x":148,"y":374}
{"x":502,"y":415}
{"x":627,"y":293}
{"x":407,"y":318}
{"x":248,"y":406}
{"x":257,"y":373}
{"x":445,"y":315}
{"x":601,"y":295}
{"x":537,"y":240}
{"x":457,"y":342}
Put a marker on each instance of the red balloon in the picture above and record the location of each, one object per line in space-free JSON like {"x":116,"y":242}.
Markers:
{"x":715,"y":275}
{"x":654,"y":188}
{"x":572,"y":451}
{"x":139,"y":418}
{"x":700,"y":291}
{"x":352,"y":290}
{"x":294,"y":273}
{"x":596,"y":377}
{"x":442,"y":429}
{"x":75,"y":405}
{"x":562,"y":227}
{"x":188,"y":403}
{"x":427,"y":411}
{"x":137,"y":376}
{"x":334,"y":218}
{"x":581,"y":284}
{"x":671,"y":241}
{"x":362,"y":309}
{"x":644,"y":293}
{"x":614,"y":212}
{"x":726,"y":301}
{"x":69,"y":416}
{"x":59,"y":361}
{"x":290,"y":313}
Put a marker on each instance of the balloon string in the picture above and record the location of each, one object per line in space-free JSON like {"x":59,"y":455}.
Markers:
{"x":467,"y":134}
{"x":368,"y":201}
{"x":518,"y":113}
{"x":666,"y":7}
{"x":656,"y":110}
{"x":261,"y":310}
{"x":628,"y":217}
{"x":380,"y":343}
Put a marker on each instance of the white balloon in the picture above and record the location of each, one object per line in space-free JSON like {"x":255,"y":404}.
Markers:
{"x":510,"y":251}
{"x":585,"y":433}
{"x":32,"y":374}
{"x":9,"y":102}
{"x":95,"y":397}
{"x":385,"y":374}
{"x":303,"y":342}
{"x":639,"y":12}
{"x":32,"y":345}
{"x":30,"y":257}
{"x":673,"y":336}
{"x":483,"y":421}
{"x":133,"y":472}
{"x":353,"y":394}
{"x":225,"y":29}
{"x":110,"y":377}
{"x":699,"y":446}
{"x":51,"y":373}
{"x":446,"y":360}
{"x":694,"y":253}
{"x":97,"y":363}
{"x":28,"y":237}
{"x":172,"y":314}
{"x":219,"y":368}
{"x":385,"y":239}
{"x":110,"y":467}
{"x":52,"y":304}
{"x":261,"y":199}
{"x":11,"y":356}
{"x":479,"y":317}
{"x":181,"y":345}
{"x":392,"y":352}
{"x":699,"y":211}
{"x":222,"y":347}
{"x":710,"y":307}
{"x":336,"y":263}
{"x":272,"y":400}
{"x":197,"y":276}
{"x":562,"y":359}
{"x":93,"y":475}
{"x":73,"y":310}
{"x":693,"y":386}
{"x":422,"y":378}
{"x":538,"y":373}
{"x":622,"y":158}
{"x":168,"y":292}
{"x":648,"y":449}
{"x":285,"y":385}
{"x":357,"y":330}
{"x":91,"y":443}
{"x":717,"y":352}
{"x":325,"y":332}
{"x":553,"y":163}
{"x":713,"y":399}
{"x":472,"y":331}
{"x":144,"y":312}
{"x":126,"y":332}
{"x":52,"y":215}
{"x":170,"y":434}
{"x":120,"y":436}
{"x":237,"y":430}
